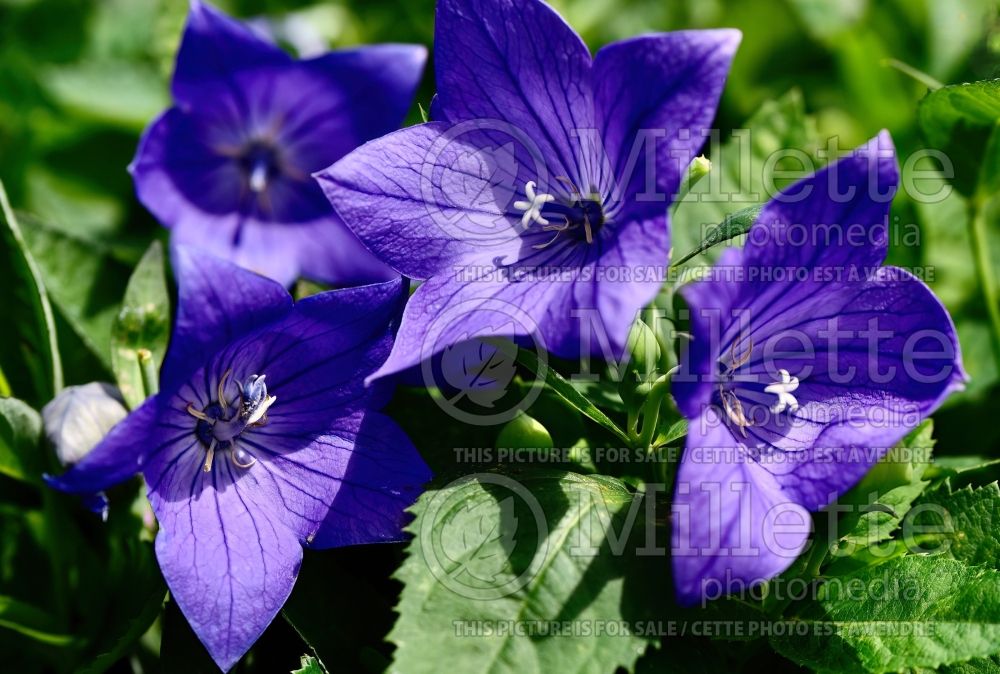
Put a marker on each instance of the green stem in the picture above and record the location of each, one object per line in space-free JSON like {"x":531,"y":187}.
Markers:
{"x":651,"y":410}
{"x":984,"y":269}
{"x":913,"y":73}
{"x":147,"y":370}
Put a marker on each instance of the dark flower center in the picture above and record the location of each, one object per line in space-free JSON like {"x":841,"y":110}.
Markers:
{"x":260,"y":164}
{"x":222,"y":421}
{"x":582,"y":218}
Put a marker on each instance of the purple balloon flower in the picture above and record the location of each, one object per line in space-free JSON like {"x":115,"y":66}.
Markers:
{"x":262,"y":439}
{"x":808,"y":360}
{"x":228,"y":168}
{"x":541,"y":187}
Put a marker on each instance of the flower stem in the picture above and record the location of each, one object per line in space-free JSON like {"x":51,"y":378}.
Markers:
{"x":147,"y":370}
{"x":984,"y":270}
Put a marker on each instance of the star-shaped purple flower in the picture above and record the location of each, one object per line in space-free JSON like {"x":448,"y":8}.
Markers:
{"x":262,"y":439}
{"x":543,"y":182}
{"x":808,"y":360}
{"x":228,"y":168}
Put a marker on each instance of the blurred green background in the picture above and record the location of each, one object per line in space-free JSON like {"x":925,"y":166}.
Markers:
{"x":79,"y":80}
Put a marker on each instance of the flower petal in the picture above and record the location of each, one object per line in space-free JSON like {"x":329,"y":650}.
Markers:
{"x":218,"y":302}
{"x":329,"y":252}
{"x":227,"y":556}
{"x":836,"y":218}
{"x":215,"y":46}
{"x":733,"y":526}
{"x":448,"y":310}
{"x":519,"y":63}
{"x":895,"y":360}
{"x":424,"y":200}
{"x":384,"y":476}
{"x":668,"y":85}
{"x":373,"y":87}
{"x":349,"y":486}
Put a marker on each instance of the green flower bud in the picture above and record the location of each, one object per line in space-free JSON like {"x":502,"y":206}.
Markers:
{"x":644,"y":357}
{"x":699,"y":167}
{"x":524,"y":432}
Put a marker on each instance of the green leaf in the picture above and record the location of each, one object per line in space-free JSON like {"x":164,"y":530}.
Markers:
{"x":142,"y":323}
{"x":495,"y":556}
{"x":913,"y":611}
{"x":569,"y":393}
{"x":309,"y":666}
{"x":116,"y":93}
{"x":84,"y":281}
{"x":672,"y":433}
{"x":20,"y":433}
{"x":31,"y":622}
{"x":746,"y":170}
{"x":972,"y":519}
{"x":29,"y":355}
{"x":989,"y":665}
{"x":959,"y":120}
{"x":827,"y":19}
{"x":954,"y":29}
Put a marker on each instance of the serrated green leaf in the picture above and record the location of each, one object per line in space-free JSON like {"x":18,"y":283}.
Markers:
{"x":913,"y":611}
{"x":978,"y":666}
{"x":972,"y":519}
{"x":569,"y":393}
{"x":142,"y":323}
{"x":495,"y":556}
{"x":29,"y":355}
{"x":20,"y":433}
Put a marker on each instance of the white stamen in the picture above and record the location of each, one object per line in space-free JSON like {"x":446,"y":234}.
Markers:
{"x":533,"y":207}
{"x":783,"y":389}
{"x":258,"y":176}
